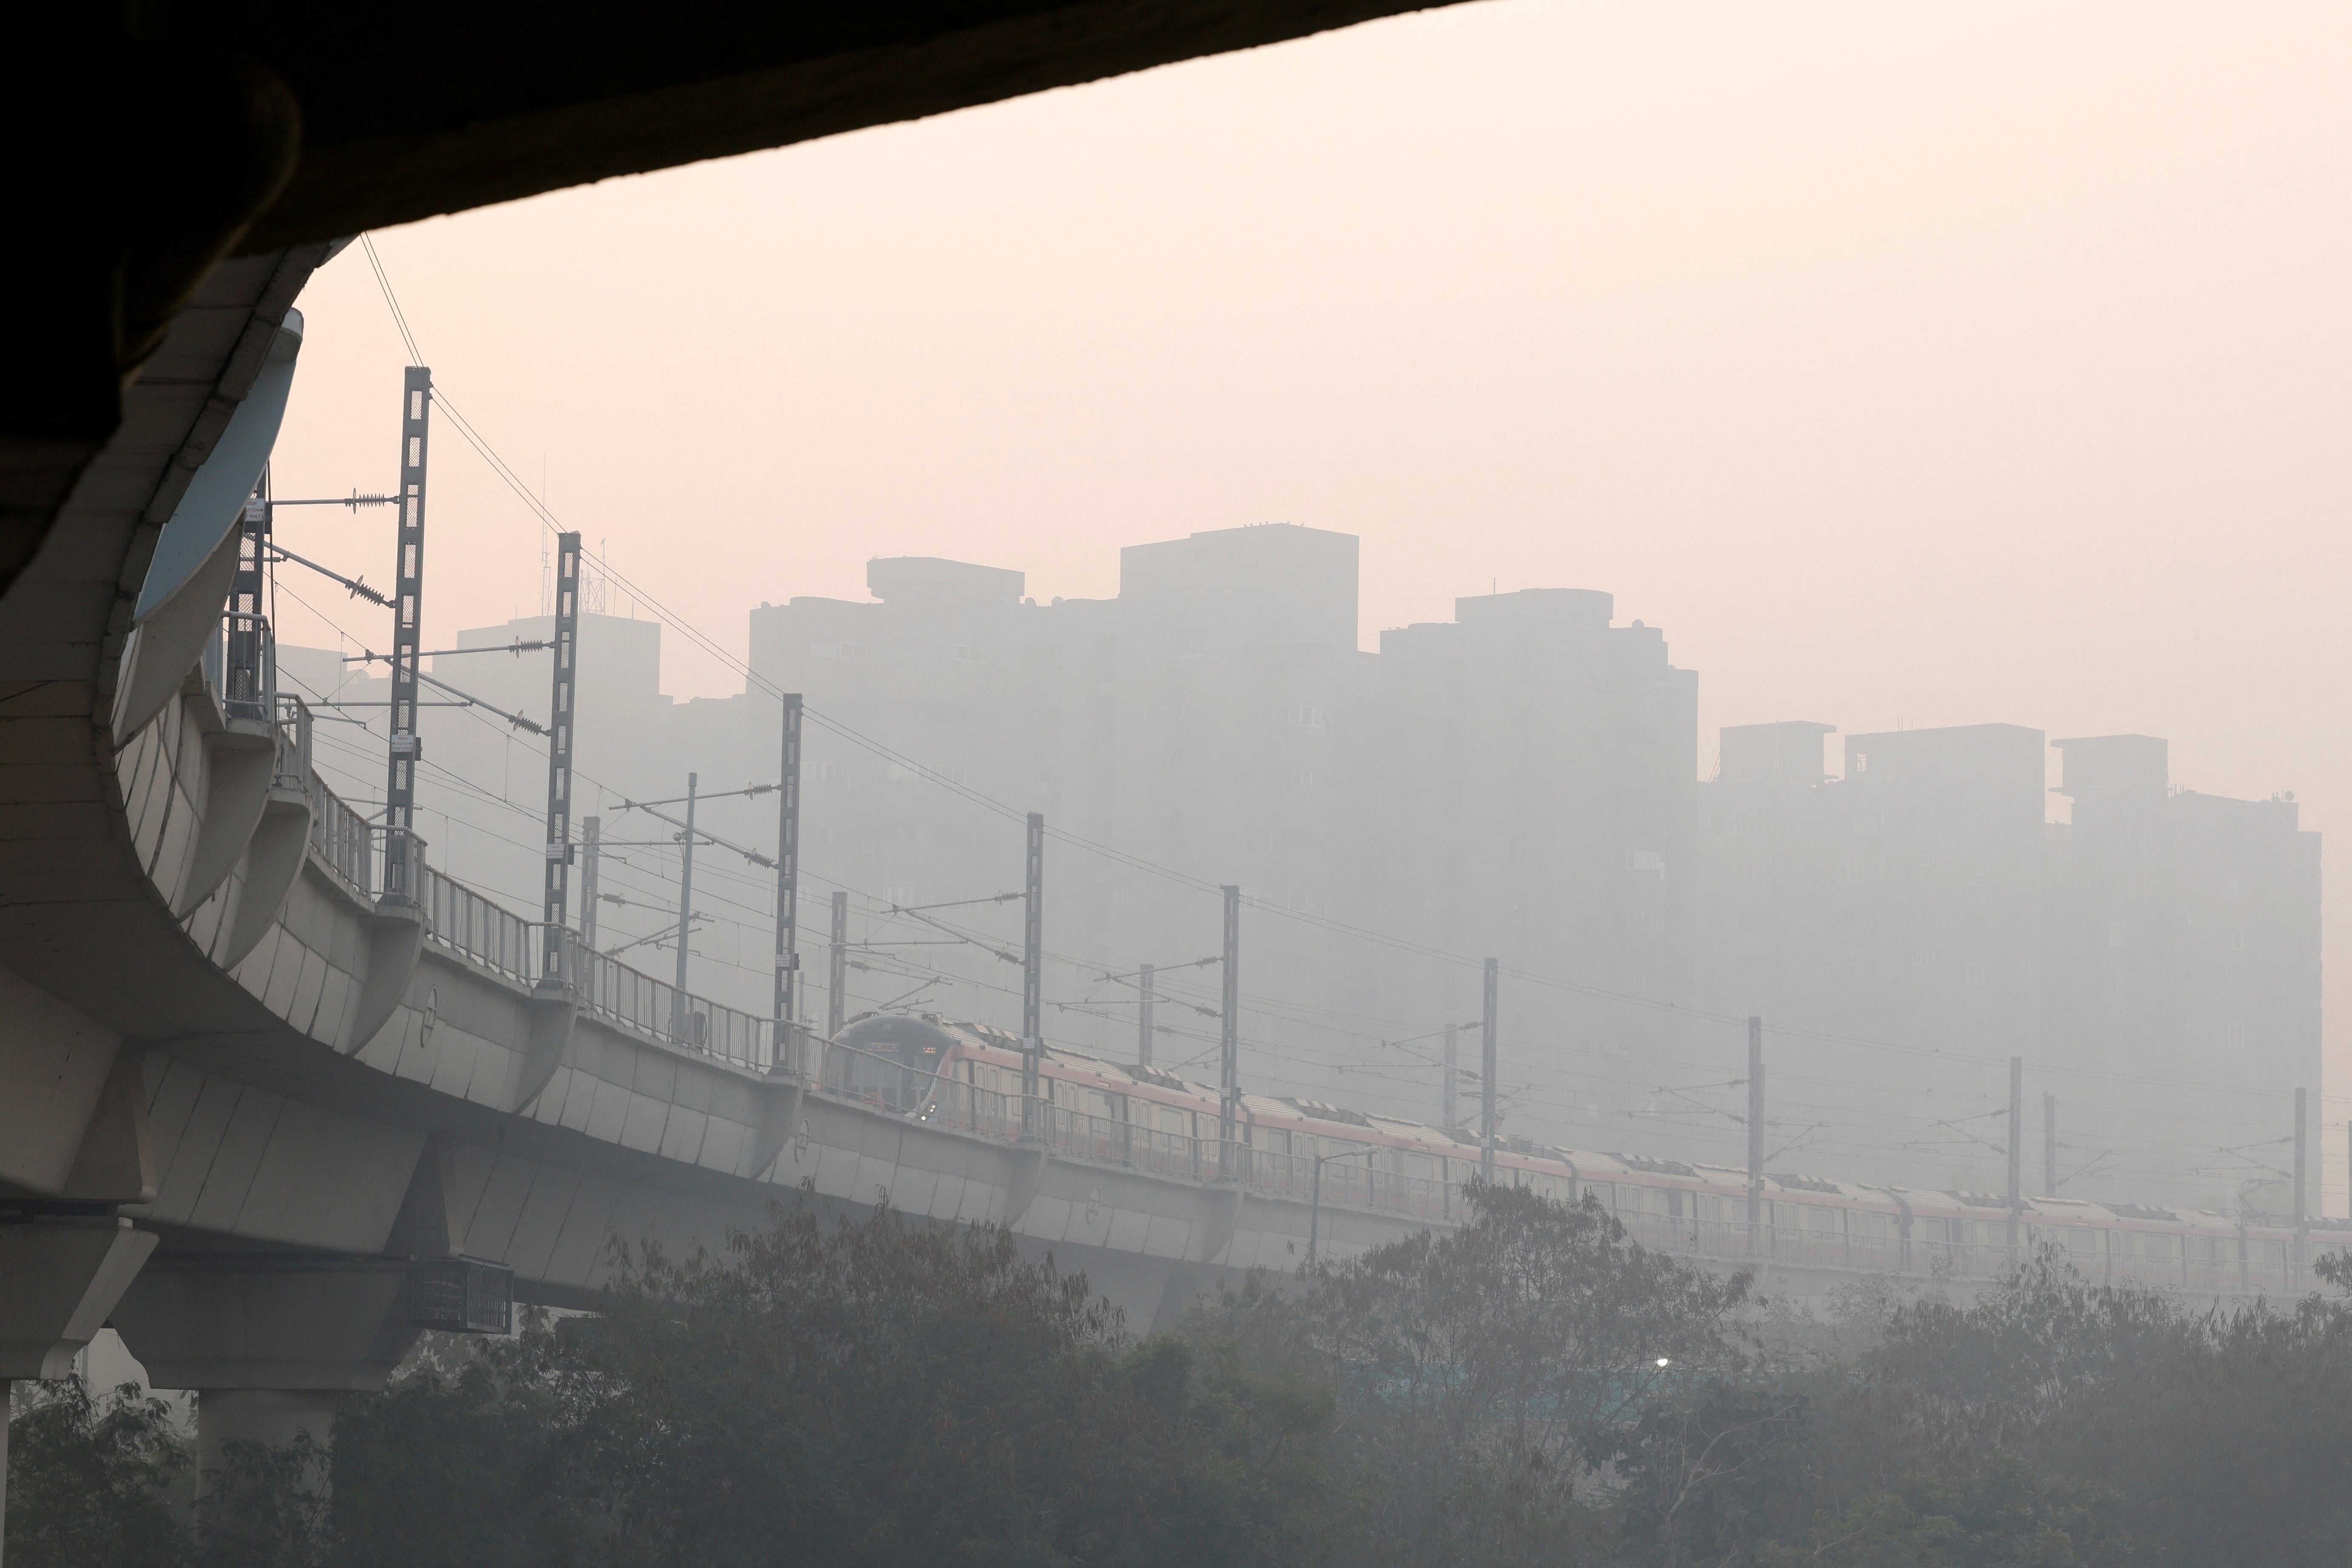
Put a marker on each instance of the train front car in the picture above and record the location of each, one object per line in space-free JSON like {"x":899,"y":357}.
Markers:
{"x":892,"y":1060}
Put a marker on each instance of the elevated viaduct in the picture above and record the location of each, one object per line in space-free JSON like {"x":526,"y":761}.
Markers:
{"x":253,"y":1100}
{"x":240,"y":1085}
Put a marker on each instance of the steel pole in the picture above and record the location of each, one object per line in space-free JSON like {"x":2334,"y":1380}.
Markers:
{"x":1033,"y":1123}
{"x":1447,"y":1095}
{"x":685,"y":912}
{"x":1143,"y":1018}
{"x":1229,"y":1036}
{"x":591,"y":844}
{"x":788,"y":889}
{"x":2302,"y":1169}
{"x":836,"y":1005}
{"x":401,"y":883}
{"x":1315,"y":1212}
{"x":2016,"y":1151}
{"x":1486,"y":1073}
{"x":564,"y":695}
{"x":1755,"y":1134}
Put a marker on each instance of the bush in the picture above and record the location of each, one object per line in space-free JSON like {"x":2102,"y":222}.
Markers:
{"x":94,"y":1479}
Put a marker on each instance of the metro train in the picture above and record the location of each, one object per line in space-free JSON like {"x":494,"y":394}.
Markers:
{"x":969,"y":1076}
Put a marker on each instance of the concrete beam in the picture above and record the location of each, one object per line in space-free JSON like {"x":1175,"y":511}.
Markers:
{"x":73,"y":1108}
{"x":273,"y":1346}
{"x":279,"y":1324}
{"x":60,"y":1276}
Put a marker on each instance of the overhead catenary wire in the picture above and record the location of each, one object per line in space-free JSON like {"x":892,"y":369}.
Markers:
{"x":1293,"y":1013}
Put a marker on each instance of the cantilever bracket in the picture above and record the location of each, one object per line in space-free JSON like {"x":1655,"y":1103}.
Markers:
{"x":1020,"y":1186}
{"x":273,"y":860}
{"x":553,"y":1010}
{"x":240,"y":763}
{"x":1223,"y":1218}
{"x":395,"y":942}
{"x":780,"y":1119}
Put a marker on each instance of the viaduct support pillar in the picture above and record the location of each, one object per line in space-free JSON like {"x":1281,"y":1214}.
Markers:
{"x":272,"y":1346}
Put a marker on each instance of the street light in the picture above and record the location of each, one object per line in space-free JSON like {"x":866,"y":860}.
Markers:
{"x":1315,"y":1215}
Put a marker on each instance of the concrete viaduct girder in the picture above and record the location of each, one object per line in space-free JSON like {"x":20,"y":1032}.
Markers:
{"x":228,"y":1051}
{"x":243,"y":1056}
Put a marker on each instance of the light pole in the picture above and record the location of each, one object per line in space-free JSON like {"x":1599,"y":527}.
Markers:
{"x":1315,"y":1213}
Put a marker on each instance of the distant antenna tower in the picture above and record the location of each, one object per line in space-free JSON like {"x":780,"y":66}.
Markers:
{"x":596,"y":590}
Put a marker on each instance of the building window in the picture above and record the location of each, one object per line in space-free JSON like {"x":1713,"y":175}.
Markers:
{"x":966,"y":654}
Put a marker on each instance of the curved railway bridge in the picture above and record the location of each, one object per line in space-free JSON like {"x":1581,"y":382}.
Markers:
{"x":265,"y":1113}
{"x":262,"y":1113}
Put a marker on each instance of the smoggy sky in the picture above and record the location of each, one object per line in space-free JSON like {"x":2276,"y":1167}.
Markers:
{"x":1939,"y":363}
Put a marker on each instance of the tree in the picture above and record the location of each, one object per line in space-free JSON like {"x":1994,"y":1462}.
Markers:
{"x":882,"y":1393}
{"x":450,"y":1463}
{"x":1710,"y":1480}
{"x":1484,"y":1378}
{"x":2223,"y":1435}
{"x":2003,"y":1517}
{"x":94,"y":1480}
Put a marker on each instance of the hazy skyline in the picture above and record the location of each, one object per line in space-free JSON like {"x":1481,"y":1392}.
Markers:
{"x":1902,"y":364}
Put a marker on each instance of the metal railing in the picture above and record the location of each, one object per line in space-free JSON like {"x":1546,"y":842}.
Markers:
{"x":464,"y":921}
{"x":342,"y":838}
{"x":247,"y":676}
{"x":401,"y":870}
{"x":635,"y":999}
{"x":293,"y":767}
